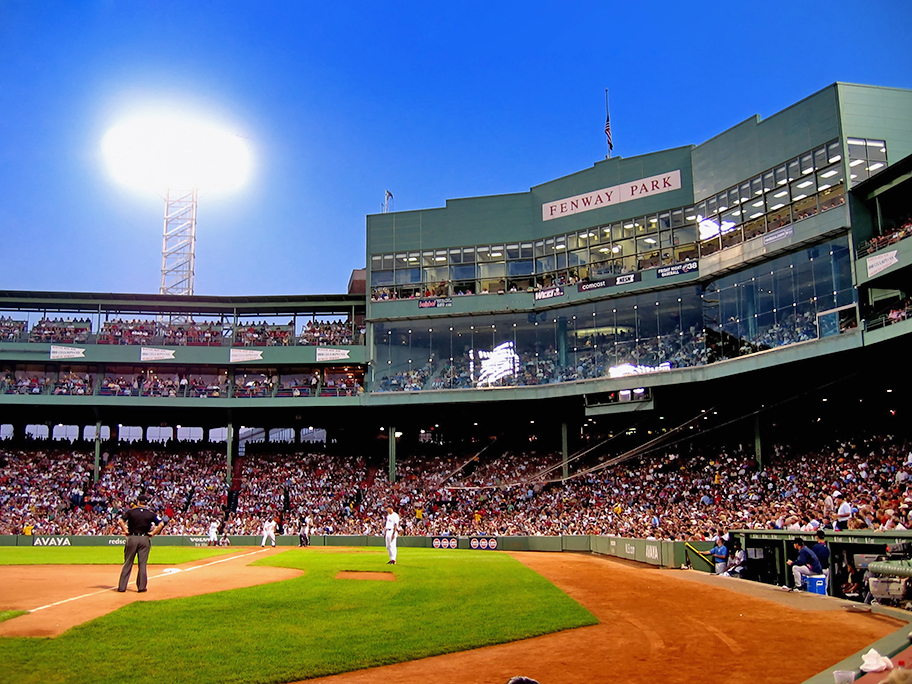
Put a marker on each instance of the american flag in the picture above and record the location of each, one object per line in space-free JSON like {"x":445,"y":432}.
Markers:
{"x":608,"y":130}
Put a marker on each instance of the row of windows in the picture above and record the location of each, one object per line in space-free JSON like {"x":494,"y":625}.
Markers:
{"x":798,"y":188}
{"x":767,"y":306}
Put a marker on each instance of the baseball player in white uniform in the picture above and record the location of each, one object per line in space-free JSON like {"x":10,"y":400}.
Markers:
{"x":391,"y":532}
{"x":213,"y":533}
{"x":269,"y":528}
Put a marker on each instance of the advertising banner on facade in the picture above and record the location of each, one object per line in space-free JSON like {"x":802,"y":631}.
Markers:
{"x":438,"y":303}
{"x":67,"y":352}
{"x":550,"y":293}
{"x":240,"y":355}
{"x":677,"y":269}
{"x":444,"y":542}
{"x":881,"y":262}
{"x":610,"y":281}
{"x":624,"y":192}
{"x":153,"y":354}
{"x":330,"y":354}
{"x":483,"y":543}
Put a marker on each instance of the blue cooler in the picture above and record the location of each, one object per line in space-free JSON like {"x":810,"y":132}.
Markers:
{"x":816,"y":584}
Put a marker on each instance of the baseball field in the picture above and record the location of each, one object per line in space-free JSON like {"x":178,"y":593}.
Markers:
{"x":343,"y":616}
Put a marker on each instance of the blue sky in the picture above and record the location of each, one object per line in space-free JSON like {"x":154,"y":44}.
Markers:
{"x":341,"y":101}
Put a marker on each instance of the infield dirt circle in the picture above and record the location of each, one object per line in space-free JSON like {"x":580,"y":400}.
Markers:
{"x":654,"y":625}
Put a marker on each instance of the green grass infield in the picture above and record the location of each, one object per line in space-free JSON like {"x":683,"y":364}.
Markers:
{"x":103,"y":555}
{"x":310,"y":626}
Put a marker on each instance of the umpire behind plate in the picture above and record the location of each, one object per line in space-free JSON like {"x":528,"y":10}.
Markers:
{"x":139,"y":524}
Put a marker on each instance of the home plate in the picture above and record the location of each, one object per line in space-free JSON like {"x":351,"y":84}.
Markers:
{"x":170,"y":571}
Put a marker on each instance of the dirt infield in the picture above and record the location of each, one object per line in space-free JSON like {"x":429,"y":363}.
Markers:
{"x":655,"y":625}
{"x":63,"y":596}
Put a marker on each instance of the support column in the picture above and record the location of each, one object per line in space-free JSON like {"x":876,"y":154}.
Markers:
{"x":391,"y":430}
{"x":115,"y":434}
{"x":565,"y":451}
{"x":758,"y":443}
{"x":97,"y":448}
{"x":19,"y":431}
{"x":229,"y":441}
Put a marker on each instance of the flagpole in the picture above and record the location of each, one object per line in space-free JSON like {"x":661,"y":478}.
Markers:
{"x":607,"y":126}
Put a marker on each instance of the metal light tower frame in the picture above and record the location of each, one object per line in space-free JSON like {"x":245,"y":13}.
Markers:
{"x":179,"y":242}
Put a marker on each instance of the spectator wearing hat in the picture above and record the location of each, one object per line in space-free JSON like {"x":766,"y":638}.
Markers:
{"x":807,"y":563}
{"x":822,"y":551}
{"x":843,"y":512}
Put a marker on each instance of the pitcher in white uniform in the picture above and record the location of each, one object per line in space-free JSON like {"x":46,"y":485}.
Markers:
{"x":391,"y":533}
{"x":269,"y":528}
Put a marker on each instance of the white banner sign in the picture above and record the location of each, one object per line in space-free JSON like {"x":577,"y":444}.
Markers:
{"x":245,"y":355}
{"x":329,"y":354}
{"x":881,"y":262}
{"x":153,"y":354}
{"x":67,"y":352}
{"x":598,"y":199}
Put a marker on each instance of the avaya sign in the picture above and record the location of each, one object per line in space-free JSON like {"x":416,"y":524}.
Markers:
{"x":597,"y":199}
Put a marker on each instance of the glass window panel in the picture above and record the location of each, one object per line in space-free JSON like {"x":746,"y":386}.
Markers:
{"x":520,"y":268}
{"x":857,"y":149}
{"x":484,"y":253}
{"x":730,"y":219}
{"x":710,"y":246}
{"x":756,"y":186}
{"x":665,"y":239}
{"x":468,"y":255}
{"x":388,"y":261}
{"x":525,"y":250}
{"x":820,"y":158}
{"x":684,"y":236}
{"x":456,"y":256}
{"x":401,"y":260}
{"x":803,"y":187}
{"x":594,"y":236}
{"x":834,"y":152}
{"x":561,"y":259}
{"x":832,"y":198}
{"x":379,"y":278}
{"x":777,"y":199}
{"x":805,"y":207}
{"x":560,"y":243}
{"x":731,"y":237}
{"x":859,"y":173}
{"x":648,"y":244}
{"x":579,"y":257}
{"x":492,"y":270}
{"x":722,"y":202}
{"x":664,"y":220}
{"x":434,"y":275}
{"x":540,"y":248}
{"x":806,"y":164}
{"x":769,"y":181}
{"x":744,"y":193}
{"x":408,"y":275}
{"x":677,"y":218}
{"x":513,"y":251}
{"x":779,"y":218}
{"x":572,"y":241}
{"x":376,"y":263}
{"x":794,"y":170}
{"x":711,"y":206}
{"x":877,"y":150}
{"x":545,"y":264}
{"x":497,"y":253}
{"x":464,"y":272}
{"x":830,"y":176}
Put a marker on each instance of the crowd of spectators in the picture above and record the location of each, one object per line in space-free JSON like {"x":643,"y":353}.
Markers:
{"x":688,"y":494}
{"x":10,"y":330}
{"x":890,"y":237}
{"x":322,"y":334}
{"x":61,"y":330}
{"x":127,"y":332}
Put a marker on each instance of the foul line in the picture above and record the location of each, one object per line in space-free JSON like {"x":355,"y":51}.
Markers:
{"x":151,"y":577}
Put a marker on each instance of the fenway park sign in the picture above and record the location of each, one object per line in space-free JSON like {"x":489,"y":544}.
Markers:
{"x":598,"y":199}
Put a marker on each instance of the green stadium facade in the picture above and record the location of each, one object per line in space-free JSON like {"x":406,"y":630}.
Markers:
{"x":769,"y":257}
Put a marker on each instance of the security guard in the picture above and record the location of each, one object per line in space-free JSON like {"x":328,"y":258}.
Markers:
{"x":139,"y":524}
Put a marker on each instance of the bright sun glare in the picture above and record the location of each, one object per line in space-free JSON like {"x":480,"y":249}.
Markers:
{"x":155,"y":152}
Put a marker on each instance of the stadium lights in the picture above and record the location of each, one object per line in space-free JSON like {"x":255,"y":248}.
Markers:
{"x":177,"y":156}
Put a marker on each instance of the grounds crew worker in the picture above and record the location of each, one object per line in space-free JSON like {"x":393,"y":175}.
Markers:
{"x":139,"y":524}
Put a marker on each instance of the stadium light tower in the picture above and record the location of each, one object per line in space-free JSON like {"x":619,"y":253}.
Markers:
{"x":178,"y":158}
